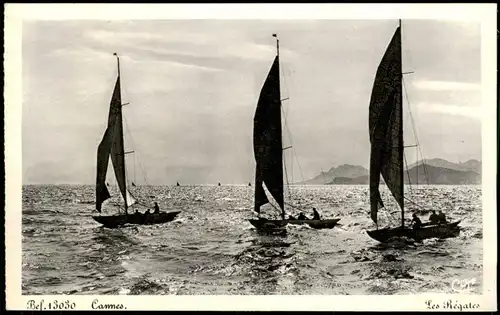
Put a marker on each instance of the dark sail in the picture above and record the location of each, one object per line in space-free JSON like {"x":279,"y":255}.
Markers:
{"x":386,"y":127}
{"x":115,"y":124}
{"x":267,"y":141}
{"x":103,"y":151}
{"x":112,"y":144}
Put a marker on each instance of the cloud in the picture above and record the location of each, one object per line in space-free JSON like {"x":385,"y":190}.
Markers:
{"x":224,"y":44}
{"x":450,"y":109}
{"x":118,"y":37}
{"x":193,"y":87}
{"x":446,"y":86}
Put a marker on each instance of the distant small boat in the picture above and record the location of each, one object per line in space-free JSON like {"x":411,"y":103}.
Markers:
{"x":268,"y":151}
{"x":387,"y":147}
{"x":178,"y":184}
{"x":112,"y":145}
{"x":249,"y":184}
{"x":219,"y":184}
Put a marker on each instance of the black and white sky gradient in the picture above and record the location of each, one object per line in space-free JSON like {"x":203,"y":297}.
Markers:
{"x":193,"y":87}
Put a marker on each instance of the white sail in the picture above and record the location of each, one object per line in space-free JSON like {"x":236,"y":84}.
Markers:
{"x":130,"y":199}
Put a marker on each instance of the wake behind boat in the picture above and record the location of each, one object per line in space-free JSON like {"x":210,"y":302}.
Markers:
{"x":268,"y":152}
{"x":387,"y":148}
{"x":112,"y":144}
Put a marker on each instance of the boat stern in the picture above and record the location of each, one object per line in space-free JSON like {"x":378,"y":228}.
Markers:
{"x":378,"y":235}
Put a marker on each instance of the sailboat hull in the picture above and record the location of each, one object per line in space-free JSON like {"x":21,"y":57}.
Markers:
{"x":264,"y":224}
{"x":433,"y":231}
{"x":317,"y":224}
{"x":114,"y":221}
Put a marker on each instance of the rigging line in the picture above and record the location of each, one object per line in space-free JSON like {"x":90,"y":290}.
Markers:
{"x":284,"y":83}
{"x":407,"y":173}
{"x":389,"y":214}
{"x":294,"y":152}
{"x":133,"y":145}
{"x":416,"y":204}
{"x":284,"y":160}
{"x":419,"y":148}
{"x":286,"y":203}
{"x":125,"y":89}
{"x":296,"y":207}
{"x":286,"y":176}
{"x":286,"y":121}
{"x":289,"y":138}
{"x":300,"y":169}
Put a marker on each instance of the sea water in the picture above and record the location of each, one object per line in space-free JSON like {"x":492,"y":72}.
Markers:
{"x":211,"y":248}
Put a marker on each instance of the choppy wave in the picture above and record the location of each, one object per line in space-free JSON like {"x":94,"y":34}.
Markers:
{"x":212,"y":249}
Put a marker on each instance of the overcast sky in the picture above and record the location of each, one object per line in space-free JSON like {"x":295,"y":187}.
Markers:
{"x":193,"y":87}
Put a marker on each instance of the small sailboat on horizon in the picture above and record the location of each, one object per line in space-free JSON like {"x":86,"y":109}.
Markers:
{"x":268,"y":153}
{"x":112,"y":145}
{"x":387,"y":155}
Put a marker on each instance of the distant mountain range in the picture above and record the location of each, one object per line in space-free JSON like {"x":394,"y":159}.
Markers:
{"x":470,"y":165}
{"x":427,"y":171}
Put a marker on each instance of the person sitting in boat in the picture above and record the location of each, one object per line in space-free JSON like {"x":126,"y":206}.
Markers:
{"x":291,"y":217}
{"x":416,"y":221}
{"x":157,"y":208}
{"x":434,"y":218}
{"x":147,"y":212}
{"x":302,"y":216}
{"x":316,"y":215}
{"x":441,"y":218}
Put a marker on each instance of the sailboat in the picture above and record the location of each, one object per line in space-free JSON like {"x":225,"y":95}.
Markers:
{"x":387,"y":147}
{"x":268,"y":152}
{"x":112,"y":145}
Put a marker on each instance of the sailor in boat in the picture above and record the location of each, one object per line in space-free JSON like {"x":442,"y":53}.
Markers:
{"x":434,"y":218}
{"x":442,"y":218}
{"x":416,"y":222}
{"x":157,"y":208}
{"x":316,"y":215}
{"x":290,"y":217}
{"x":302,"y":216}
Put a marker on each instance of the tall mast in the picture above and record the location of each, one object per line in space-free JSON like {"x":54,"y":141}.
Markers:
{"x":277,"y":44}
{"x":278,"y":54}
{"x":401,"y":120}
{"x":118,"y":69}
{"x":118,"y":63}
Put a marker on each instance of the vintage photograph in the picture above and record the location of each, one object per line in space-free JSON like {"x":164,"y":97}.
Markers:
{"x":252,"y":157}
